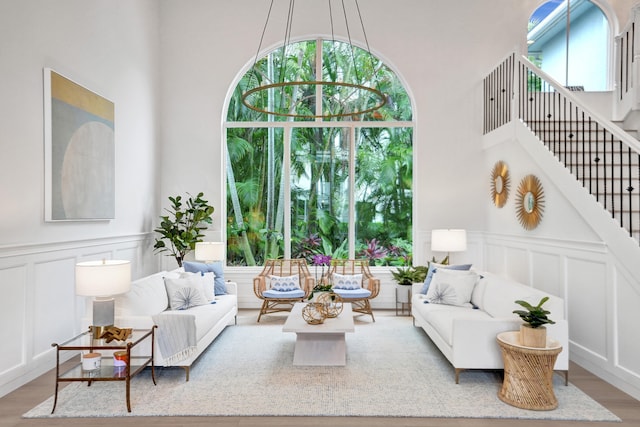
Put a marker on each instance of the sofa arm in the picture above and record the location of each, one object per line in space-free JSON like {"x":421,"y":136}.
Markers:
{"x":474,"y":342}
{"x":416,"y":288}
{"x":475,"y":345}
{"x":232,"y":288}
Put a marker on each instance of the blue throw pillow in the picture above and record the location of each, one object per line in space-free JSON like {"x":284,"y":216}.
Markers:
{"x":432,"y":269}
{"x":220,"y":288}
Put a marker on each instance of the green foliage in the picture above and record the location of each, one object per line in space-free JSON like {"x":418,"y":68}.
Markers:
{"x":180,"y":230}
{"x":535,"y":316}
{"x":410,"y":275}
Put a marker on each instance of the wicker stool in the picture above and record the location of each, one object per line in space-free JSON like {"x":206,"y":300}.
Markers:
{"x":528,"y":373}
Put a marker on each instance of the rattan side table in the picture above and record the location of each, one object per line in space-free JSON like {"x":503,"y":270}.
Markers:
{"x":528,"y":373}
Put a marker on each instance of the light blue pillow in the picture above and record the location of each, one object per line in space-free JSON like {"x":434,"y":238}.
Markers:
{"x":432,"y":269}
{"x":220,"y":288}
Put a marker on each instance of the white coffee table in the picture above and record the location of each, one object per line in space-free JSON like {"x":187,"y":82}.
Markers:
{"x":320,"y":345}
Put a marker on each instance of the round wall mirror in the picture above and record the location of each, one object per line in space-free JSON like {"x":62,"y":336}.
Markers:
{"x":530,"y":202}
{"x":500,"y":184}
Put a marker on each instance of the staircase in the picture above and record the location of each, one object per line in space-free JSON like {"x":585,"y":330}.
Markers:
{"x":602,"y":157}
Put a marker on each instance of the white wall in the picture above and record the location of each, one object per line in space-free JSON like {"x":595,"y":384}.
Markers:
{"x":111,"y":48}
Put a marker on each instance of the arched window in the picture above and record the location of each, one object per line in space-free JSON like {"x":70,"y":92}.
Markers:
{"x":569,"y":40}
{"x":299,"y":186}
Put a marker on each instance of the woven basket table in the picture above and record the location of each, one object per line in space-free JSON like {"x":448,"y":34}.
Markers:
{"x":528,"y":373}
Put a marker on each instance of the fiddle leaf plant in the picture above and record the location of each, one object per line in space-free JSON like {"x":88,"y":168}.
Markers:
{"x":534,"y":316}
{"x":182,"y":228}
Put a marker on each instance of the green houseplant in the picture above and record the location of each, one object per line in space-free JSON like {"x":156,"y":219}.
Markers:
{"x":182,"y":228}
{"x":533,"y":332}
{"x":406,"y":277}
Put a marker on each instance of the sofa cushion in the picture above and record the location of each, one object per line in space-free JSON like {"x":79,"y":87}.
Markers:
{"x":432,"y":268}
{"x":353,"y":293}
{"x":500,"y":294}
{"x":206,"y":316}
{"x":452,"y":287}
{"x":185,"y":292}
{"x":272,"y":293}
{"x":148,"y":296}
{"x":441,"y":317}
{"x":215,"y":267}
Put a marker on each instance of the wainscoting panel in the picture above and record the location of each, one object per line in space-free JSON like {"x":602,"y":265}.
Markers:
{"x":53,"y":304}
{"x":40,"y":306}
{"x":626,"y":309}
{"x":588,"y":304}
{"x":547,"y":273}
{"x":13,"y":285}
{"x":495,"y":258}
{"x":518,"y":264}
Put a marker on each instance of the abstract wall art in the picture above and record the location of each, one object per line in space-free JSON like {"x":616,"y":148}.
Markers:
{"x":79,"y":151}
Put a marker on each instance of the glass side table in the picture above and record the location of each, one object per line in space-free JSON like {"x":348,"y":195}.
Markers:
{"x":108,"y":370}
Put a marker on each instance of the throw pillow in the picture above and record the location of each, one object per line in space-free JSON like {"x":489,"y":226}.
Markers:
{"x":185,"y":292}
{"x":284,"y":283}
{"x":432,"y":268}
{"x":345,"y":281}
{"x":220,"y":288}
{"x":452,"y":287}
{"x":206,"y":283}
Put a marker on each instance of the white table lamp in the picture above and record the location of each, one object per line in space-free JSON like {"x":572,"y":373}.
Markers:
{"x":210,"y":251}
{"x":448,"y":241}
{"x":102,"y":280}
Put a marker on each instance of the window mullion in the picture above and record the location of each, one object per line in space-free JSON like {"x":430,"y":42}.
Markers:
{"x":286,"y":175}
{"x":352,"y":186}
{"x":319,"y":78}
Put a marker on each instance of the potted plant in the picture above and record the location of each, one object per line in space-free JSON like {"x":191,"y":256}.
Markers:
{"x":181,"y":229}
{"x":406,"y":277}
{"x":533,"y":333}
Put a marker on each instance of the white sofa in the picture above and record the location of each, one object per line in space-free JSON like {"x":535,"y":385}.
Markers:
{"x":466,"y":336}
{"x":148,"y":297}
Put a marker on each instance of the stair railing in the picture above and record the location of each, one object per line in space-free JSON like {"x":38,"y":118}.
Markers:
{"x":602,"y":157}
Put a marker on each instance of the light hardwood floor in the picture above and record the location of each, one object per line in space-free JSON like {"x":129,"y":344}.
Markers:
{"x":13,"y":405}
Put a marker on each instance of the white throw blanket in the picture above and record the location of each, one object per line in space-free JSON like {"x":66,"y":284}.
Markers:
{"x":176,"y":336}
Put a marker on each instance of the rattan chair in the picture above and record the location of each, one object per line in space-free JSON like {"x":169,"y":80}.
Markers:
{"x":360,"y":298}
{"x":274,"y":301}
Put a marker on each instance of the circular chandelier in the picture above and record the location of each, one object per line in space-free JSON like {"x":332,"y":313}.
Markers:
{"x":314,"y":98}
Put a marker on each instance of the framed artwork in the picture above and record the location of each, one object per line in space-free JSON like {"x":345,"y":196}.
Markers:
{"x":530,"y":202}
{"x":79,"y":151}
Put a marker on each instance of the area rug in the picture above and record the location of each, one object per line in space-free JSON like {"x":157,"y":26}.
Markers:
{"x":393,"y":370}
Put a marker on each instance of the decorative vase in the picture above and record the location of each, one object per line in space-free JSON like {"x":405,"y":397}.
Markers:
{"x":313,"y":313}
{"x":533,"y":337}
{"x":331,"y":304}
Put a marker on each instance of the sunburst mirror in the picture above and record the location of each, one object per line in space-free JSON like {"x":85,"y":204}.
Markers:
{"x":500,"y":184}
{"x":530,"y":202}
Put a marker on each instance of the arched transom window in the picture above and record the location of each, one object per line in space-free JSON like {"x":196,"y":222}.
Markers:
{"x":299,"y":185}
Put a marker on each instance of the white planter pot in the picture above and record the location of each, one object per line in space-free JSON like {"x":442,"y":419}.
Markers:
{"x":403,"y":293}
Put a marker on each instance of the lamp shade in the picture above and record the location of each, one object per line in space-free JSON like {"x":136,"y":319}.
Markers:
{"x":103,"y":278}
{"x":210,"y":251}
{"x":448,"y":240}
